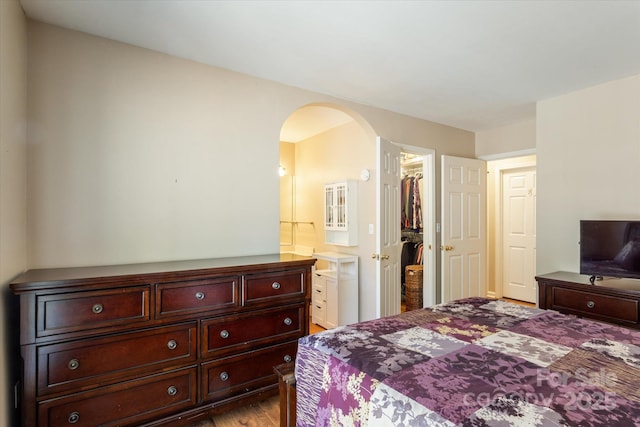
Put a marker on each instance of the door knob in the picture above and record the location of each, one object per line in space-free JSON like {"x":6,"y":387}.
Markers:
{"x":446,"y":248}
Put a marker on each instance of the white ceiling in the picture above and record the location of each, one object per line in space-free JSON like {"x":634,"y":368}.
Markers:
{"x":470,"y":64}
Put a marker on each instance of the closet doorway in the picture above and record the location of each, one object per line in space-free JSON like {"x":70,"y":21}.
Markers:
{"x":417,"y":222}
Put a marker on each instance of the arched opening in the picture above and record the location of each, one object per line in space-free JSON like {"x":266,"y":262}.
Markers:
{"x":319,"y":144}
{"x":323,"y":144}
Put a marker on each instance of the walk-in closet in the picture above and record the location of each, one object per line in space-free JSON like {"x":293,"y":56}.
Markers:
{"x":413,"y":203}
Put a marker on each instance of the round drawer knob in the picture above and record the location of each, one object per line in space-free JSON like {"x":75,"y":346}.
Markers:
{"x":200,"y":296}
{"x":287,"y":358}
{"x":172,"y":390}
{"x":224,"y":333}
{"x":172,"y":344}
{"x":224,"y":376}
{"x":73,"y":364}
{"x":275,"y":285}
{"x":97,"y":308}
{"x":591,"y":304}
{"x":74,"y":417}
{"x":288,"y":321}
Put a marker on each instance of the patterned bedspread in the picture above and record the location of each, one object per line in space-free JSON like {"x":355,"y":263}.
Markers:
{"x":471,"y":362}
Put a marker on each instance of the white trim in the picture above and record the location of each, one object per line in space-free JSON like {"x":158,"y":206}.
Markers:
{"x":498,"y":207}
{"x":500,"y":156}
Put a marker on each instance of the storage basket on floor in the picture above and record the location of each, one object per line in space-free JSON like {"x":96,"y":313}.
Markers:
{"x":413,"y":290}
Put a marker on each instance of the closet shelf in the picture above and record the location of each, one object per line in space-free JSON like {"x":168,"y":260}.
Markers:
{"x":411,"y":236}
{"x":411,"y":160}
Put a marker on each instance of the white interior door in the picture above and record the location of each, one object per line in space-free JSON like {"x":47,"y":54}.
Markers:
{"x":463,"y":227}
{"x":388,"y":236}
{"x":519,"y":234}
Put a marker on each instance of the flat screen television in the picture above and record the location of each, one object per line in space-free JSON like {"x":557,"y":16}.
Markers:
{"x":610,"y":248}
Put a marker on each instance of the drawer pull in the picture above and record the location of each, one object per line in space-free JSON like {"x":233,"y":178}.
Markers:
{"x":224,"y":333}
{"x":591,"y":304}
{"x":172,"y":390}
{"x":287,"y":358}
{"x":97,"y":308}
{"x":73,"y":364}
{"x":172,"y":344}
{"x":200,"y":296}
{"x":224,"y":376}
{"x":275,"y":285}
{"x":74,"y":417}
{"x":288,"y":321}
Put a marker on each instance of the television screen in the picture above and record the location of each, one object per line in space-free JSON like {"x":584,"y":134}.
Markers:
{"x":610,"y":248}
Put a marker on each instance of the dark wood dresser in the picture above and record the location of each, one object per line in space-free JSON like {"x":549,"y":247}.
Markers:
{"x":157,"y":344}
{"x":609,"y":300}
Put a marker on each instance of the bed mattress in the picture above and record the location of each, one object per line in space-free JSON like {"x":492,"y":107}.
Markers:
{"x":470,"y":362}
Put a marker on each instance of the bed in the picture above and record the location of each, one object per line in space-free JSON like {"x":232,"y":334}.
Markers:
{"x":470,"y":362}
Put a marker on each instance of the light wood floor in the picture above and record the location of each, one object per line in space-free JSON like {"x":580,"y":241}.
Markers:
{"x":260,"y":414}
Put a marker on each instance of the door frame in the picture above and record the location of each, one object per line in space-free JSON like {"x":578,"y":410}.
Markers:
{"x":505,"y":166}
{"x":429,"y":296}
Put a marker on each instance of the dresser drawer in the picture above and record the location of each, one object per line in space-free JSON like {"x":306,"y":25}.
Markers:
{"x":595,"y":305}
{"x":194,"y":296}
{"x":124,"y":404}
{"x":249,"y":371}
{"x":94,"y":362}
{"x":223,"y":335}
{"x":70,"y":312}
{"x":270,"y":287}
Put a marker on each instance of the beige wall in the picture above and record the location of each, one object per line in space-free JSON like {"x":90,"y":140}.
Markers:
{"x":140,"y":156}
{"x":513,"y":141}
{"x":287,"y":196}
{"x":588,"y":152}
{"x":13,"y":181}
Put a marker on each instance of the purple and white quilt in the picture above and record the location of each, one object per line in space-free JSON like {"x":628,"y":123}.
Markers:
{"x":471,"y":362}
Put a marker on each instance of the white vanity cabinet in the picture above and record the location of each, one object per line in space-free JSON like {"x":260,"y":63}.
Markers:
{"x":334,"y":294}
{"x":340,"y":213}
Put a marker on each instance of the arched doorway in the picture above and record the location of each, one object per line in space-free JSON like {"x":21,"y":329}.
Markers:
{"x":322,"y":144}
